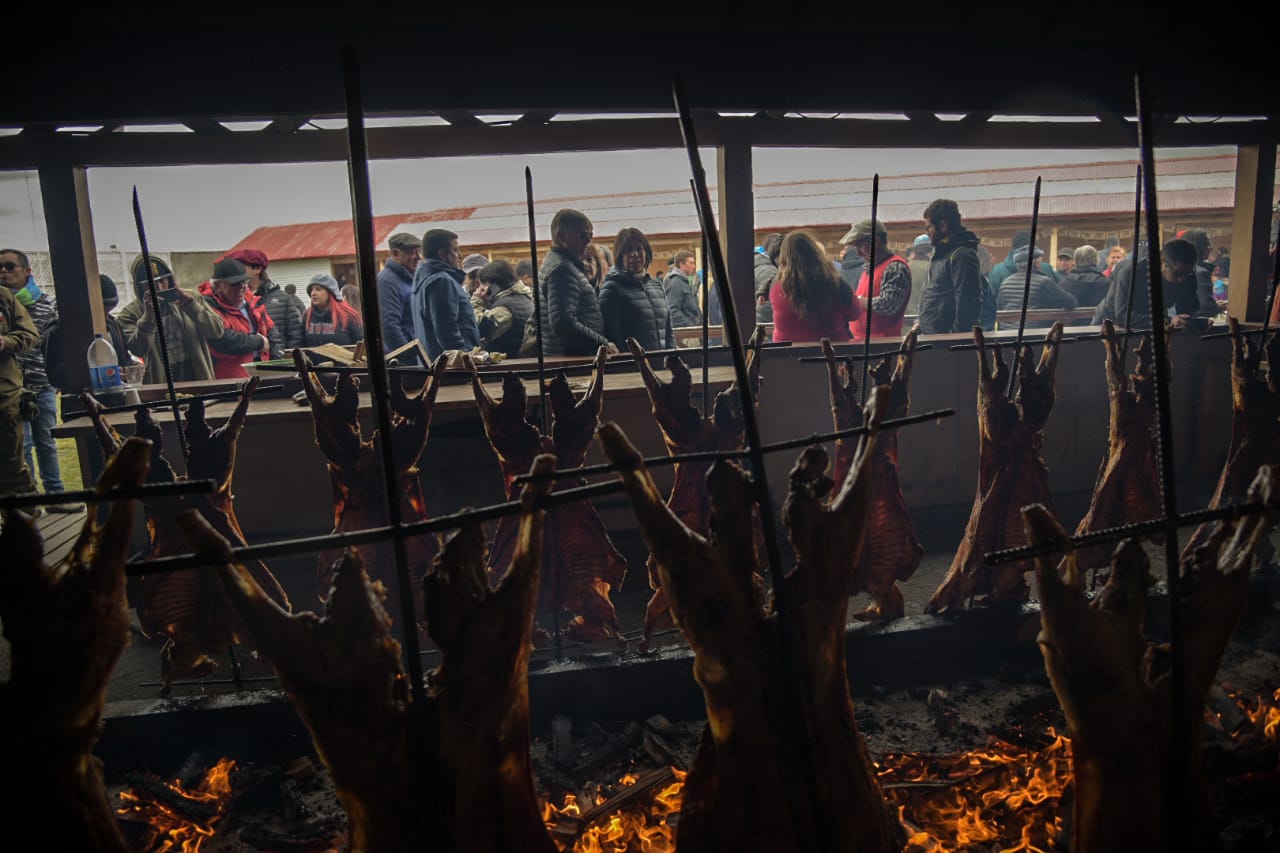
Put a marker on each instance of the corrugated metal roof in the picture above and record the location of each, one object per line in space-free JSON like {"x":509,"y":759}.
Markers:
{"x":1191,"y":183}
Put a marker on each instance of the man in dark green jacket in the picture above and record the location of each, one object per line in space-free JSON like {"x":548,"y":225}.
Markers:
{"x":953,"y":295}
{"x":17,"y":335}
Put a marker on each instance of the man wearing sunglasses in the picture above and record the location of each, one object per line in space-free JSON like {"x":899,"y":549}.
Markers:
{"x":38,"y":442}
{"x":17,"y":335}
{"x":572,"y":323}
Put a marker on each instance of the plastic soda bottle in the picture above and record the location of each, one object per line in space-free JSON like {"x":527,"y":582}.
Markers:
{"x":104,"y":369}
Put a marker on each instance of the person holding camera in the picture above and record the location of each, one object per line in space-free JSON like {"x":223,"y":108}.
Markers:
{"x":189,"y":324}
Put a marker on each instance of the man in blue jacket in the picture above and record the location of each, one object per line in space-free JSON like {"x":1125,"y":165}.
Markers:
{"x":443,"y":318}
{"x":395,"y":290}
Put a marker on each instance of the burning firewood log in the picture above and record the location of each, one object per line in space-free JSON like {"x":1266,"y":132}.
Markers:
{"x":342,"y":671}
{"x":1255,"y":428}
{"x":1011,"y":474}
{"x":580,"y":565}
{"x":746,"y":790}
{"x":687,"y":431}
{"x":188,"y":608}
{"x":355,"y":471}
{"x":1114,"y":685}
{"x":67,"y":626}
{"x":893,"y":553}
{"x":1128,"y":485}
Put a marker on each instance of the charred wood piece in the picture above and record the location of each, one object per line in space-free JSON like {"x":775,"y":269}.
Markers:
{"x":1114,"y":684}
{"x":1011,"y":474}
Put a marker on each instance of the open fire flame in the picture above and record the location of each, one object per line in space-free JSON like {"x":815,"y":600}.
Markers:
{"x":172,"y":832}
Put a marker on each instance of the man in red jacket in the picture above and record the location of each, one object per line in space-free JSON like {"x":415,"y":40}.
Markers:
{"x":249,"y":335}
{"x":889,"y":288}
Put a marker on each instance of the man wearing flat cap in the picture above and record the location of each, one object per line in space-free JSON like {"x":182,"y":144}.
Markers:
{"x":189,"y":325}
{"x":395,"y":290}
{"x":888,"y":287}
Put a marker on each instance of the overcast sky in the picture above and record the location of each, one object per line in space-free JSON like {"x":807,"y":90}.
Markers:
{"x":210,"y":208}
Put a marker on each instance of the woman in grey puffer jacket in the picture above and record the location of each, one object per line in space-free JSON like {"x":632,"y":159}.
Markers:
{"x":634,"y":303}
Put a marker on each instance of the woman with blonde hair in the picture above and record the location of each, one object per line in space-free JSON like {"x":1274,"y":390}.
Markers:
{"x":810,"y":301}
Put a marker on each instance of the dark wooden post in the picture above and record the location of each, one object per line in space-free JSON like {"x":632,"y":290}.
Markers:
{"x":1251,"y":231}
{"x":736,"y":212}
{"x":65,"y":191}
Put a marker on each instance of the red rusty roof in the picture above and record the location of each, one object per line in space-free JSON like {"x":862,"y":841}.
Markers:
{"x":335,"y":238}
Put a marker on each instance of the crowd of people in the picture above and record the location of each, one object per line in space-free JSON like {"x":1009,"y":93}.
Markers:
{"x":592,"y":296}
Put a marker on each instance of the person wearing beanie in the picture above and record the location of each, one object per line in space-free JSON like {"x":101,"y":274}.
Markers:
{"x":54,"y":360}
{"x":282,"y":310}
{"x":1045,"y":293}
{"x":443,"y":318}
{"x":329,"y":320}
{"x":250,"y":335}
{"x":189,"y":325}
{"x":503,"y":306}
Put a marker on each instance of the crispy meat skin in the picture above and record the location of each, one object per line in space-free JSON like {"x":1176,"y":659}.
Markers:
{"x":1114,"y":685}
{"x":580,"y":565}
{"x":67,"y":626}
{"x":1255,"y":428}
{"x":685,"y":430}
{"x":892,"y":552}
{"x":746,"y":789}
{"x":1011,"y":475}
{"x":343,"y":674}
{"x":1128,"y":485}
{"x":355,"y":473}
{"x":189,"y":607}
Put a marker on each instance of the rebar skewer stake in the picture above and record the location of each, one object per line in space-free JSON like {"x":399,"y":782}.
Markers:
{"x":871,"y":285}
{"x":706,"y":323}
{"x":537,"y":302}
{"x":1179,"y":736}
{"x":362,"y":216}
{"x":160,"y":404}
{"x":1266,"y":317}
{"x":124,"y":493}
{"x":160,"y":333}
{"x":1026,"y":289}
{"x":1133,"y":267}
{"x":786,"y":631}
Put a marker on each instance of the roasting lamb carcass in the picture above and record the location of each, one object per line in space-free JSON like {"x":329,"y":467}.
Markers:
{"x":746,"y":789}
{"x":1128,"y":485}
{"x":1115,"y":687}
{"x":67,"y":627}
{"x":355,"y":472}
{"x":892,"y":552}
{"x":474,"y":790}
{"x":580,"y":565}
{"x":1255,"y":428}
{"x":188,"y":607}
{"x":685,"y":430}
{"x":1011,"y":474}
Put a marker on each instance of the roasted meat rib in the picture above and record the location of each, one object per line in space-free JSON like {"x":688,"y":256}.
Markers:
{"x":580,"y":565}
{"x":67,"y":626}
{"x":746,"y":789}
{"x":685,"y":430}
{"x":1011,"y":474}
{"x":892,"y":552}
{"x":1255,"y":427}
{"x":1128,"y":485}
{"x":1114,"y":685}
{"x":355,"y":473}
{"x":474,"y":790}
{"x":188,"y":607}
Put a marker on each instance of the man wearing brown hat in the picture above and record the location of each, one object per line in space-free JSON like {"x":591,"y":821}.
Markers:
{"x":395,"y":290}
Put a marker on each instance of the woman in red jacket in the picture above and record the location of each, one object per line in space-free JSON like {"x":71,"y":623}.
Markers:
{"x":249,"y":334}
{"x":810,"y":300}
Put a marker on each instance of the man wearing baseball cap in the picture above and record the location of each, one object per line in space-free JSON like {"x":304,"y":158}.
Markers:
{"x":471,"y":266}
{"x":888,"y":286}
{"x":395,"y":289}
{"x":281,"y":308}
{"x":249,"y":335}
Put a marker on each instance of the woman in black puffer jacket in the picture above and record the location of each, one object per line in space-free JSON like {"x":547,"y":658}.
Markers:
{"x":633,"y":303}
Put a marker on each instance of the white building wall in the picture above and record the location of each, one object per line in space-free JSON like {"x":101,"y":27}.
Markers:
{"x":298,"y":272}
